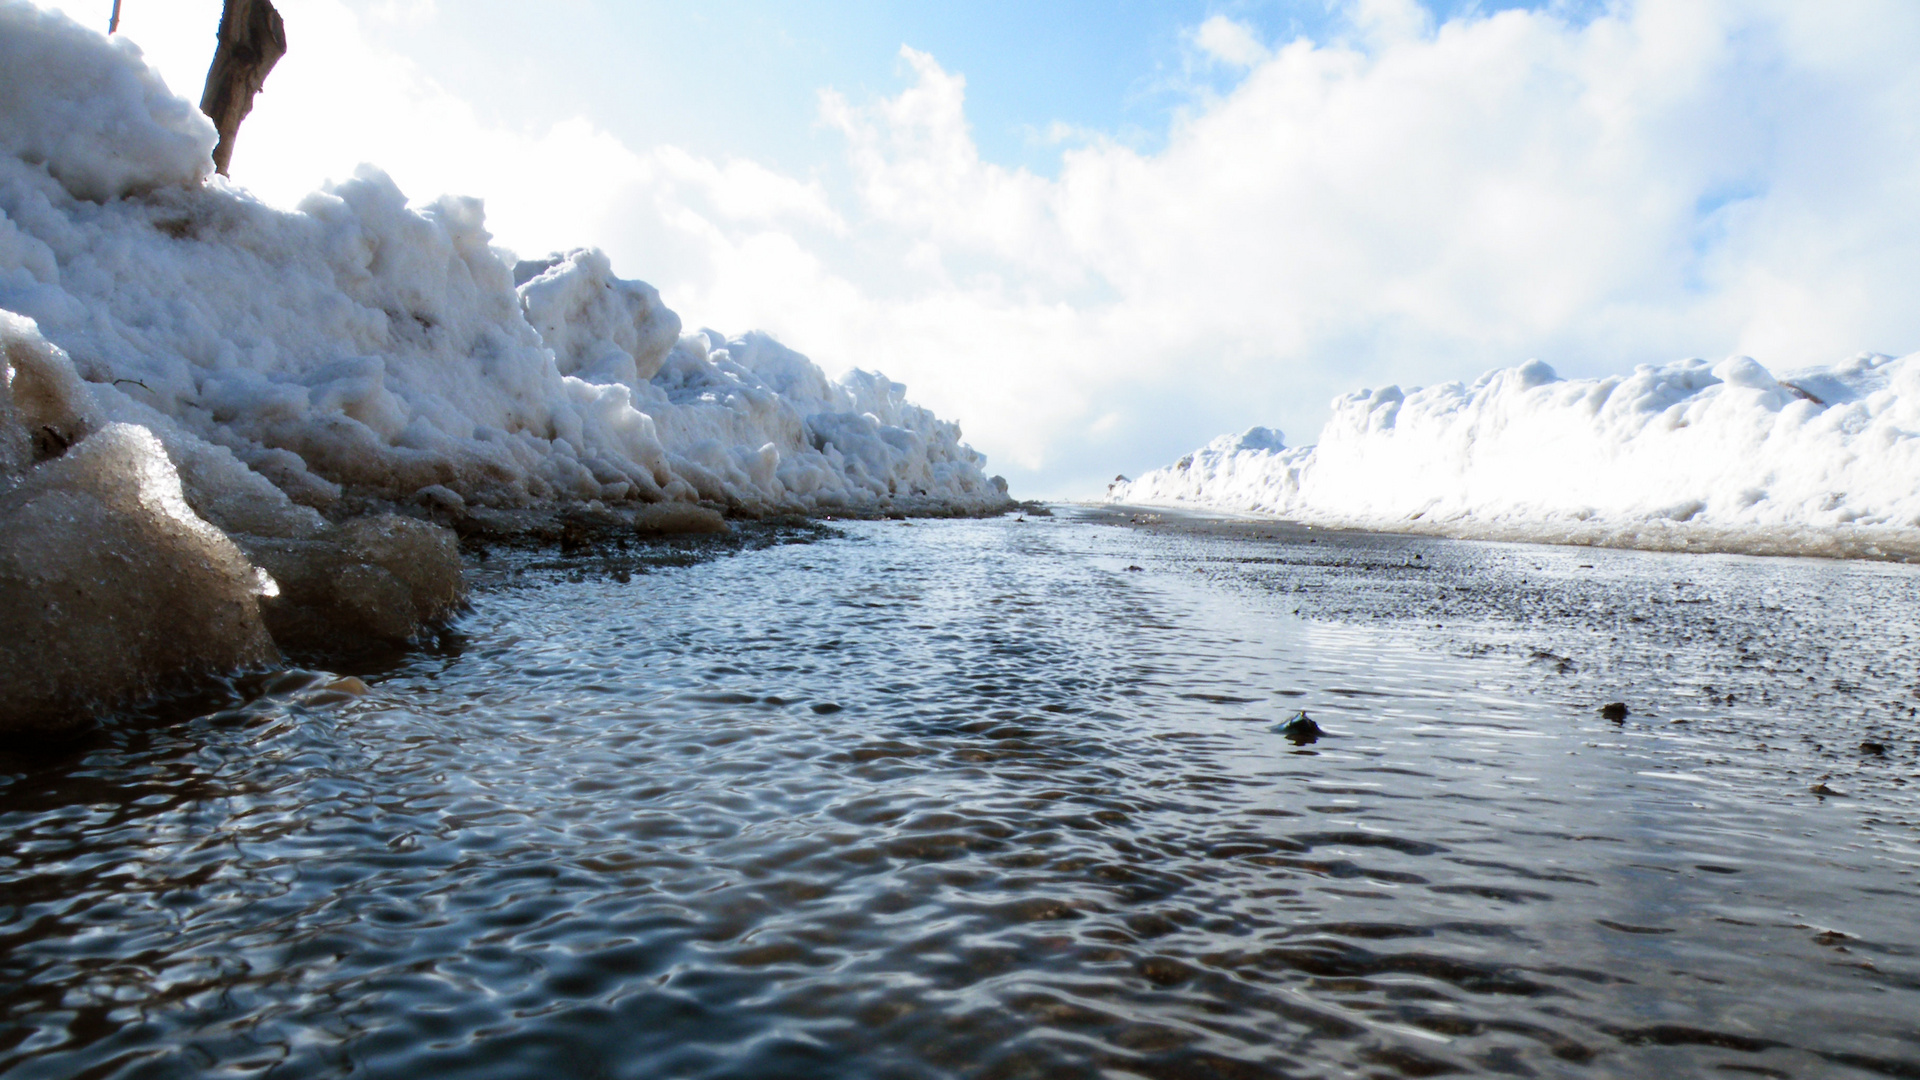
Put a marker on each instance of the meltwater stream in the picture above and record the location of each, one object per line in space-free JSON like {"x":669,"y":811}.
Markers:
{"x":998,"y":799}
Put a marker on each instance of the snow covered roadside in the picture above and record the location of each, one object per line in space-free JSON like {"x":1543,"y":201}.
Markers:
{"x":206,"y":397}
{"x":1690,"y":456}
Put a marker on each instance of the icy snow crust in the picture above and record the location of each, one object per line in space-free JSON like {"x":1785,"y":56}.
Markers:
{"x":1691,"y":455}
{"x":203,"y":398}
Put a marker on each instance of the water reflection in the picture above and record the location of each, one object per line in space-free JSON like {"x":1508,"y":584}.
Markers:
{"x":962,"y":798}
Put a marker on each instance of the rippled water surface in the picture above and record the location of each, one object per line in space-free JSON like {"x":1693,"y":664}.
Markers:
{"x":1002,"y":799}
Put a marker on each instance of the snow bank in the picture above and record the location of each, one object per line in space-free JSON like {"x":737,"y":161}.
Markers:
{"x":207,"y":397}
{"x":1232,"y":472}
{"x":90,"y":112}
{"x":1823,"y":460}
{"x":363,"y":347}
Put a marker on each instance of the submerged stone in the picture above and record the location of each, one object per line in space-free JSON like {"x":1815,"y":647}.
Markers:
{"x":1299,"y":729}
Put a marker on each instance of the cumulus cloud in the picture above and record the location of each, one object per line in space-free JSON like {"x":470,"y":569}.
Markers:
{"x":1384,"y":22}
{"x":1405,"y":200}
{"x":1229,"y":42}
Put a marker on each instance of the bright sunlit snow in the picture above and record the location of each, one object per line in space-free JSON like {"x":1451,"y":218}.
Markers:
{"x":1725,"y":453}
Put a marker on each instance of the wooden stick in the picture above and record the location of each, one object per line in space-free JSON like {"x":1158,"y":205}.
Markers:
{"x":113,"y":23}
{"x":252,"y":40}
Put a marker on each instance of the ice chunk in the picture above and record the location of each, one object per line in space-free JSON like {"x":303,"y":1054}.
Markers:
{"x":678,"y":519}
{"x":110,"y":585}
{"x":218,"y":485}
{"x":373,"y":581}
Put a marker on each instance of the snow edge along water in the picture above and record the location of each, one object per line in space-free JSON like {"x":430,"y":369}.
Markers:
{"x":227,"y":429}
{"x":1690,"y":456}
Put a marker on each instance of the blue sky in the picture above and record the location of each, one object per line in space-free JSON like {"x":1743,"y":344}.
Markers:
{"x":1098,"y":235}
{"x":738,"y":77}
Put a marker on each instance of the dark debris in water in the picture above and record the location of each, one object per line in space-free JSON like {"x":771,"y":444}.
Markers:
{"x":1755,"y":653}
{"x":1299,"y":729}
{"x":621,"y":555}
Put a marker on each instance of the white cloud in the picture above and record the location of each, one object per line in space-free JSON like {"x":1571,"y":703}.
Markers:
{"x":1229,"y":42}
{"x":1411,"y":203}
{"x":1387,"y":22}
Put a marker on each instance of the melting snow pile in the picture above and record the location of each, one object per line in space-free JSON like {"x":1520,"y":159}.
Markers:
{"x":359,"y":346}
{"x":206,"y":397}
{"x":1727,"y":456}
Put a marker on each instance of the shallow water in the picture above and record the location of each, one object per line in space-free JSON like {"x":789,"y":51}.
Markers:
{"x":975,"y":798}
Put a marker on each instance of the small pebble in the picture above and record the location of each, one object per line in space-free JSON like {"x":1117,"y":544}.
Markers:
{"x":1615,"y":711}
